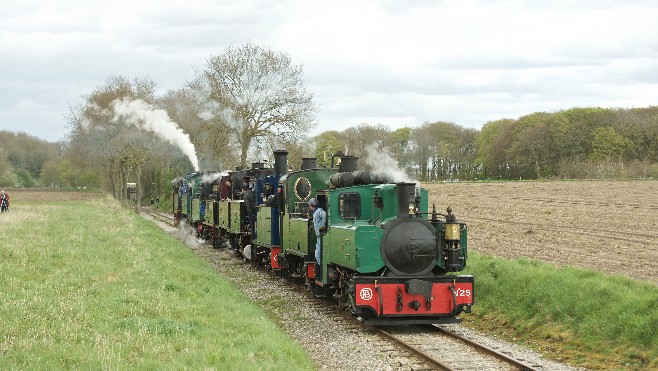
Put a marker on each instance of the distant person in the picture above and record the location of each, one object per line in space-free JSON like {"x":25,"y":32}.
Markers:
{"x":157,"y":202}
{"x":4,"y":201}
{"x":319,"y":222}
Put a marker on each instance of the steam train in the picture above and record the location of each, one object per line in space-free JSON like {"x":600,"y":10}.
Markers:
{"x":385,"y":257}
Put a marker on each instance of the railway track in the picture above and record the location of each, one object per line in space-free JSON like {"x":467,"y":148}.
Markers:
{"x":167,"y":218}
{"x":422,"y":347}
{"x":410,"y":347}
{"x":442,"y":349}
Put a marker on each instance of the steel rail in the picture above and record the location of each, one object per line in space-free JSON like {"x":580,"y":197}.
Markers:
{"x":162,"y":216}
{"x":484,"y":349}
{"x":434,"y":363}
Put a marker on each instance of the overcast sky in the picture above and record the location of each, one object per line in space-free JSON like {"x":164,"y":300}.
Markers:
{"x":394,"y":62}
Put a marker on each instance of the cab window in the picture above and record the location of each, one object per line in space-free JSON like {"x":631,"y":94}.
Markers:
{"x":349,"y":205}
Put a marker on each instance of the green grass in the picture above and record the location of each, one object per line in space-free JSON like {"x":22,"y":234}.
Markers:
{"x":585,"y":317}
{"x":92,"y":285}
{"x":166,"y":202}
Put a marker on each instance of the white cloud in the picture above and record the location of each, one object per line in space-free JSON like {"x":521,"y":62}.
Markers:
{"x":390,"y":62}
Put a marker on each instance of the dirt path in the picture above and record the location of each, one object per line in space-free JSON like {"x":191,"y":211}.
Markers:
{"x":610,"y":226}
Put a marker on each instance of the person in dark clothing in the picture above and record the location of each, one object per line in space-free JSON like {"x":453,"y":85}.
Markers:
{"x":4,"y":201}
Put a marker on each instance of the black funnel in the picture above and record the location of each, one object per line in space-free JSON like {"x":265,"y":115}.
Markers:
{"x":406,"y":195}
{"x":280,"y":162}
{"x":348,"y":163}
{"x":309,"y":163}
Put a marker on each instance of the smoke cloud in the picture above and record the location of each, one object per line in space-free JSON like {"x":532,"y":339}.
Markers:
{"x":213,"y":176}
{"x":382,"y":162}
{"x":144,"y":116}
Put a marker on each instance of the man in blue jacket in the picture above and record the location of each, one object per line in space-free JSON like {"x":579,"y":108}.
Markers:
{"x":319,"y":222}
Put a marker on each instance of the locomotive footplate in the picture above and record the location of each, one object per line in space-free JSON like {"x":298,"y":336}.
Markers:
{"x":414,"y":300}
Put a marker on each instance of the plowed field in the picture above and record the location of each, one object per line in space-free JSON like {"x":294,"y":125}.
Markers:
{"x":610,"y":226}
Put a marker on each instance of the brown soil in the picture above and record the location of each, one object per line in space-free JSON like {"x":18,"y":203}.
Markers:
{"x":610,"y":226}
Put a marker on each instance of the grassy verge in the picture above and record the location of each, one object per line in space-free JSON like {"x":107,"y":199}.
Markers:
{"x":583,"y":317}
{"x":87,"y":284}
{"x":167,"y":203}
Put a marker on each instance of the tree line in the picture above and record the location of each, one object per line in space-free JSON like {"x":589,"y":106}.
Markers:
{"x":578,"y":143}
{"x":250,"y":100}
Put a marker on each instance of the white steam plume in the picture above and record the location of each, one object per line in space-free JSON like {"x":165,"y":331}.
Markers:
{"x":144,"y":116}
{"x":213,"y":176}
{"x":381,"y":162}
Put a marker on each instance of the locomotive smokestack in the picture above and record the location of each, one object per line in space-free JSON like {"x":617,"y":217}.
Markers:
{"x":309,"y":163}
{"x":406,"y":198}
{"x":348,"y":163}
{"x":280,"y":162}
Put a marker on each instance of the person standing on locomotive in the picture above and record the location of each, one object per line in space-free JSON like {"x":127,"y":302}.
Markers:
{"x":319,"y":222}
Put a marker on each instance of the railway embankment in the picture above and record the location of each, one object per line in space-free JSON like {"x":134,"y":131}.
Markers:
{"x":582,"y":317}
{"x":88,"y":284}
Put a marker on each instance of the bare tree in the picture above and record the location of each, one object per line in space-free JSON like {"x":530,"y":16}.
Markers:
{"x":259,"y":93}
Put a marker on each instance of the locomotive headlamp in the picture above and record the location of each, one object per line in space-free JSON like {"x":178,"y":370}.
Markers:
{"x":452,"y":232}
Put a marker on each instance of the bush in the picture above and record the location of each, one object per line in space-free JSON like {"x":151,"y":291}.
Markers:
{"x":8,"y":179}
{"x":25,"y":179}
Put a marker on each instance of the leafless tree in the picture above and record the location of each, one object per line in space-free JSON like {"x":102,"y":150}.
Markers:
{"x":258,"y":93}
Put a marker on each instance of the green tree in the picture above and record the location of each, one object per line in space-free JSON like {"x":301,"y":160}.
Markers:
{"x":493,"y":142}
{"x":4,"y":164}
{"x":423,"y":150}
{"x":607,"y":144}
{"x":327,"y":144}
{"x":400,"y":143}
{"x":50,"y":174}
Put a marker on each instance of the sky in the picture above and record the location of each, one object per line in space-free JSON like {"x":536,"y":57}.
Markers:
{"x":391,"y":62}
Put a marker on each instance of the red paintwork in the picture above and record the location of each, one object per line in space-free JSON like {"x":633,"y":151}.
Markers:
{"x":310,"y":270}
{"x":442,"y":302}
{"x":274,"y":257}
{"x":224,"y":187}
